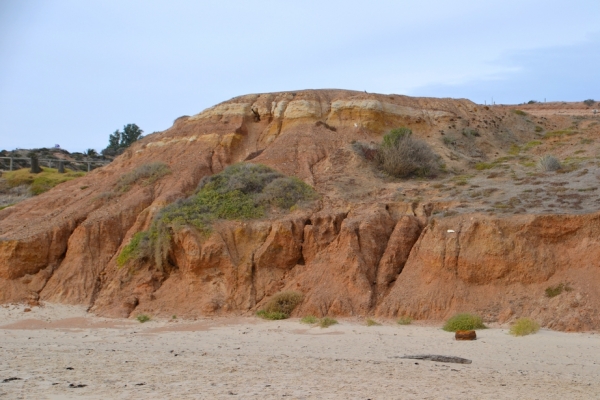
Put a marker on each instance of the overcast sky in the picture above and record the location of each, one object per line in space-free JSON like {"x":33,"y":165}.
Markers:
{"x":72,"y":72}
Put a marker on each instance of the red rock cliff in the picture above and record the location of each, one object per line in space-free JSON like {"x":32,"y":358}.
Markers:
{"x":359,"y":250}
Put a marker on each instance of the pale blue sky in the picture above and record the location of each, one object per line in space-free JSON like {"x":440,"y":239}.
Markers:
{"x":72,"y":72}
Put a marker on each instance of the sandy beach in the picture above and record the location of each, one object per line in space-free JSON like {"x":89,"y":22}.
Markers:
{"x":62,"y":352}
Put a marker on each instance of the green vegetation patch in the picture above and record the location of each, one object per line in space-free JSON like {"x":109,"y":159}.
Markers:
{"x":532,"y":144}
{"x":309,"y":319}
{"x":560,"y":133}
{"x":281,"y":305}
{"x":520,"y":112}
{"x":145,"y":175}
{"x":553,"y":291}
{"x":241,"y":191}
{"x":514,"y":150}
{"x":404,"y":320}
{"x":326,"y":322}
{"x":464,"y":322}
{"x":143,"y":318}
{"x":372,"y":322}
{"x":272,"y":315}
{"x":39,"y":183}
{"x":137,"y":246}
{"x":524,"y":326}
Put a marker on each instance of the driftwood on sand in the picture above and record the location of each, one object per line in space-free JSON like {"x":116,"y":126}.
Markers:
{"x":438,"y":358}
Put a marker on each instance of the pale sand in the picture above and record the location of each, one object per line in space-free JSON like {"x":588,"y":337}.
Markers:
{"x":239,"y":358}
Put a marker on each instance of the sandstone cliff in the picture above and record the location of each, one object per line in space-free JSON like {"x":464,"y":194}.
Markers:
{"x":370,"y":245}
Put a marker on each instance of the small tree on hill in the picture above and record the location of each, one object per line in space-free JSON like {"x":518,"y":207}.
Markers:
{"x":119,"y":141}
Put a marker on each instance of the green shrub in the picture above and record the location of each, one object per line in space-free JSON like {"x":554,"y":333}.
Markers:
{"x":589,"y":102}
{"x":464,"y":322}
{"x":284,"y":302}
{"x":520,"y":112}
{"x":549,"y":163}
{"x":372,"y":322}
{"x":524,"y":326}
{"x":404,"y":320}
{"x":553,"y":291}
{"x":272,"y":315}
{"x":137,"y":247}
{"x":286,"y":192}
{"x":400,"y":155}
{"x":309,"y":319}
{"x":143,"y":318}
{"x":145,"y":174}
{"x":241,"y":191}
{"x":326,"y":322}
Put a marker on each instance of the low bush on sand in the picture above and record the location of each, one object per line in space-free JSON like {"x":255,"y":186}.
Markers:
{"x":404,"y":320}
{"x":309,"y":319}
{"x":326,"y":322}
{"x":372,"y":322}
{"x":524,"y":326}
{"x":143,"y":318}
{"x":281,"y":305}
{"x":272,"y":315}
{"x":464,"y":322}
{"x":241,"y":191}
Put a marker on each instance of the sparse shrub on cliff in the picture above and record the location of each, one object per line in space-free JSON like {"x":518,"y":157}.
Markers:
{"x":241,"y":191}
{"x":524,"y":326}
{"x":145,"y":174}
{"x":401,"y":155}
{"x":365,"y":150}
{"x":553,"y":291}
{"x":136,"y":248}
{"x":464,"y":322}
{"x":281,"y":305}
{"x":285,"y":192}
{"x":549,"y":163}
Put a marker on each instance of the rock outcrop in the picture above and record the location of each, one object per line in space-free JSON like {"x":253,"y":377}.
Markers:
{"x":361,"y":249}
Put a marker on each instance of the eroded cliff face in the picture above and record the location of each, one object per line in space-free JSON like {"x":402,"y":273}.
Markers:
{"x":359,"y":250}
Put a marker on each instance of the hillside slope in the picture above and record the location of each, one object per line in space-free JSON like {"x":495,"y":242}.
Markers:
{"x":488,"y":235}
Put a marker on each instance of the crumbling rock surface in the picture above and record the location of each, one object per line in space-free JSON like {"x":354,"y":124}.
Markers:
{"x":359,"y":250}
